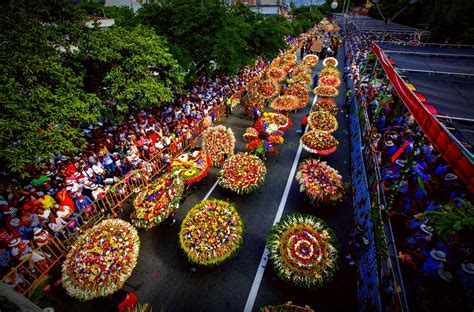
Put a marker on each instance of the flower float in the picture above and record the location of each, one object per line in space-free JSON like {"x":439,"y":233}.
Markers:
{"x":264,"y":141}
{"x":319,"y":142}
{"x":322,"y":120}
{"x":235,"y":99}
{"x":289,"y":58}
{"x":265,"y":121}
{"x":330,"y":61}
{"x":329,"y":71}
{"x":326,"y":91}
{"x":287,"y":67}
{"x":311,"y":60}
{"x":302,"y":68}
{"x":157,"y":201}
{"x":287,"y":103}
{"x":320,"y":182}
{"x":211,"y":232}
{"x":101,"y":260}
{"x":302,"y":249}
{"x":325,"y":104}
{"x":253,"y":99}
{"x":191,"y":167}
{"x":299,"y":90}
{"x":276,"y":73}
{"x":304,"y":78}
{"x":329,"y":81}
{"x":268,"y":88}
{"x":218,"y":142}
{"x":242,"y":173}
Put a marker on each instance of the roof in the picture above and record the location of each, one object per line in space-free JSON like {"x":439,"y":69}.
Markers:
{"x":369,"y":24}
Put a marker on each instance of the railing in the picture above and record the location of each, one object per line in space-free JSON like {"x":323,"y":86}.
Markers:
{"x":27,"y":275}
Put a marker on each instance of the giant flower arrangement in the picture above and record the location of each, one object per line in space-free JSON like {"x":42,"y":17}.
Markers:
{"x":330,"y":61}
{"x":329,"y":71}
{"x":322,"y":120}
{"x":299,"y":90}
{"x":326,"y":91}
{"x":242,"y":173}
{"x":276,"y":73}
{"x":289,"y":58}
{"x":332,"y":81}
{"x":268,"y":88}
{"x":157,"y":201}
{"x":320,"y":182}
{"x":287,"y":103}
{"x":211,"y":232}
{"x":264,"y":141}
{"x":302,"y":68}
{"x":235,"y":99}
{"x":218,"y":142}
{"x":319,"y":142}
{"x":325,"y":104}
{"x":101,"y":260}
{"x":304,"y":78}
{"x":265,"y":122}
{"x":303,"y":250}
{"x":310,"y":60}
{"x":253,"y":99}
{"x":287,"y":67}
{"x":191,"y":167}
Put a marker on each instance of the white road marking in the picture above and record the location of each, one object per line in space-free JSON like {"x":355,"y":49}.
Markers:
{"x":264,"y":260}
{"x":210,"y":191}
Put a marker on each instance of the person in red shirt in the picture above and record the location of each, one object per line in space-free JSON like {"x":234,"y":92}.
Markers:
{"x":304,"y":122}
{"x":65,"y":199}
{"x":125,"y":300}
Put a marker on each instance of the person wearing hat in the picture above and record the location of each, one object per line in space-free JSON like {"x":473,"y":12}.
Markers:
{"x":434,"y":262}
{"x":47,"y":201}
{"x":82,"y":202}
{"x":64,"y":198}
{"x":6,"y":236}
{"x":20,"y":249}
{"x":466,"y":279}
{"x":40,"y":236}
{"x":389,"y":148}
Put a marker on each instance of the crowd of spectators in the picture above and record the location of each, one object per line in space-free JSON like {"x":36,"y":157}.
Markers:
{"x":438,"y":272}
{"x":32,"y":211}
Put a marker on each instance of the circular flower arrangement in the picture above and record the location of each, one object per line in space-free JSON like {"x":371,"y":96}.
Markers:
{"x":191,"y":167}
{"x":320,"y":182}
{"x":211,"y":232}
{"x":302,"y":68}
{"x":319,"y":142}
{"x":299,"y":90}
{"x":330,"y":61}
{"x":101,"y":260}
{"x":326,"y":91}
{"x":264,"y":141}
{"x":287,"y":103}
{"x":242,"y":173}
{"x":329,"y":71}
{"x":302,"y":249}
{"x":253,"y":99}
{"x":322,"y":120}
{"x":304,"y":78}
{"x":157,"y":201}
{"x":289,"y":58}
{"x":265,"y":121}
{"x":325,"y":104}
{"x":276,"y":73}
{"x":218,"y":142}
{"x":287,"y":67}
{"x":268,"y":88}
{"x":329,"y":81}
{"x":311,"y":60}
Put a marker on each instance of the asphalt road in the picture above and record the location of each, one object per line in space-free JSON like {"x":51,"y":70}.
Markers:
{"x":165,"y":278}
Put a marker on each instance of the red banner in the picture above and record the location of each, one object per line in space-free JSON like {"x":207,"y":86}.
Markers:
{"x":434,"y":131}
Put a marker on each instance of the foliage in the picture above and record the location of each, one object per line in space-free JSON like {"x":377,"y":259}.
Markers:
{"x":123,"y":16}
{"x":451,"y":218}
{"x":305,"y":17}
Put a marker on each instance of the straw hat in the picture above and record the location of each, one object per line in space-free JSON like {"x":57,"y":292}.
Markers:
{"x":389,"y":143}
{"x":468,"y":267}
{"x":14,"y":242}
{"x":400,"y":162}
{"x":426,"y":229}
{"x":438,"y":255}
{"x":450,"y":176}
{"x":445,"y":275}
{"x":37,"y":230}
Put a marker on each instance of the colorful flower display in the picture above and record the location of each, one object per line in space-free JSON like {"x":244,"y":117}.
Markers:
{"x":157,"y":201}
{"x":253,"y":99}
{"x":299,"y":90}
{"x":319,"y":142}
{"x":191,"y":167}
{"x":302,"y":249}
{"x":101,"y":260}
{"x":211,"y":232}
{"x":304,"y":78}
{"x":322,"y":120}
{"x":287,"y":103}
{"x":268,"y":88}
{"x":329,"y":71}
{"x":265,"y":122}
{"x":320,"y":182}
{"x":242,"y":173}
{"x":325,"y":104}
{"x":219,"y":143}
{"x":329,"y":81}
{"x":302,"y":68}
{"x":289,"y":58}
{"x":276,"y":73}
{"x":330,"y":61}
{"x":287,"y":67}
{"x":287,"y":307}
{"x":326,"y":91}
{"x":263,"y":142}
{"x":311,"y":60}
